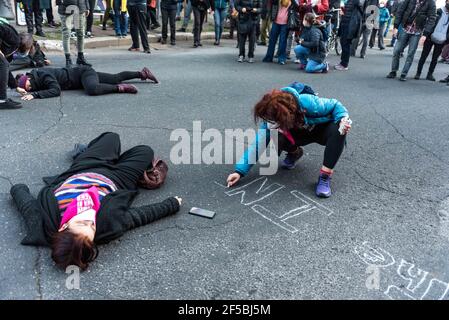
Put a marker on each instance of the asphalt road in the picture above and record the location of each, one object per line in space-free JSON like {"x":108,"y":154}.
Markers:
{"x":383,"y":234}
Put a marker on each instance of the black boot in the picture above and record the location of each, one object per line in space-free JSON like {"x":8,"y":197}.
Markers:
{"x":68,"y":61}
{"x":430,"y":77}
{"x":81,"y":60}
{"x":10,"y":104}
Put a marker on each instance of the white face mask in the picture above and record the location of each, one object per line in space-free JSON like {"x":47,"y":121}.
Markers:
{"x":89,"y":215}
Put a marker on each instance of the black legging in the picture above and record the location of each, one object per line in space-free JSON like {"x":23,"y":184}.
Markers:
{"x":90,"y":17}
{"x":98,"y":83}
{"x":326,"y":134}
{"x":103,"y":156}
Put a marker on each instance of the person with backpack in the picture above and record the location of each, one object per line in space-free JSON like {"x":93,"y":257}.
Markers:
{"x":437,"y":40}
{"x":49,"y":82}
{"x":90,"y":203}
{"x":350,"y":28}
{"x":67,"y":15}
{"x":417,"y":18}
{"x":9,"y":43}
{"x":300,"y":118}
{"x":282,"y":11}
{"x":249,"y":11}
{"x":199,"y":8}
{"x":311,"y":50}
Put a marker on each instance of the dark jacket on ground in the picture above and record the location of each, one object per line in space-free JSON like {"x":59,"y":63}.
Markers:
{"x":313,"y":40}
{"x":169,"y":4}
{"x":83,"y":5}
{"x":115,"y":217}
{"x":275,"y":4}
{"x":49,"y":82}
{"x":425,"y":17}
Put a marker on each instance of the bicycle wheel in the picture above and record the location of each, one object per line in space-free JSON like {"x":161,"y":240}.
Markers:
{"x":337,"y":46}
{"x":331,"y":43}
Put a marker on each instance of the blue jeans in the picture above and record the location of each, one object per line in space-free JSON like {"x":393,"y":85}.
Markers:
{"x":178,"y":9}
{"x":187,"y":14}
{"x":405,"y":39}
{"x":120,"y":19}
{"x":277,"y":31}
{"x":219,"y":19}
{"x":311,"y":66}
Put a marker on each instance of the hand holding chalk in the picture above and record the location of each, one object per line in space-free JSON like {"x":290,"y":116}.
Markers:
{"x":233,"y":178}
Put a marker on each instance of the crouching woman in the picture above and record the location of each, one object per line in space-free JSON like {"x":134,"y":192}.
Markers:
{"x":301,"y":118}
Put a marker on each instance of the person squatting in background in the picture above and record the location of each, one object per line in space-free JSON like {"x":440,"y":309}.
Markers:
{"x":300,"y":118}
{"x":311,"y":50}
{"x":249,"y":11}
{"x":28,"y":55}
{"x":90,"y":203}
{"x":49,"y":82}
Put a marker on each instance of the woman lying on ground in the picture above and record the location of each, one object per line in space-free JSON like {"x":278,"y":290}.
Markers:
{"x":89,"y":204}
{"x":300,"y":118}
{"x":49,"y":82}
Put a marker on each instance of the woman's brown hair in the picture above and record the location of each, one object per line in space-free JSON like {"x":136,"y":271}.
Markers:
{"x":280,"y":107}
{"x":72,"y":249}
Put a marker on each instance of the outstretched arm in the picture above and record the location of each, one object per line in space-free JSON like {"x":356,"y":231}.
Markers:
{"x":141,"y":216}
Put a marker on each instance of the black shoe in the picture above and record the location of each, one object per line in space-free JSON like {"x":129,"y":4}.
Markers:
{"x":181,"y":30}
{"x":173,"y":42}
{"x":148,"y":51}
{"x":391,"y":75}
{"x":362,"y":57}
{"x":10,"y":104}
{"x":381,"y":48}
{"x":261,"y":43}
{"x":216,"y":43}
{"x":163,"y":41}
{"x":445,"y":80}
{"x":104,"y":27}
{"x":403,"y":77}
{"x":200,"y":44}
{"x":417,"y":76}
{"x":82,"y":61}
{"x":195,"y":45}
{"x":40,"y":34}
{"x":155,"y":26}
{"x":68,"y":62}
{"x":77,"y":150}
{"x":430,"y":77}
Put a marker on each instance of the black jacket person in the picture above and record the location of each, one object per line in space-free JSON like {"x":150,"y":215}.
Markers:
{"x":72,"y":243}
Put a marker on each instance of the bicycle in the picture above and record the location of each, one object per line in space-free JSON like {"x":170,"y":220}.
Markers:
{"x":333,"y":42}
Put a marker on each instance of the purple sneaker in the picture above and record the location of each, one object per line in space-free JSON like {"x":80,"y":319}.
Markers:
{"x":290,"y":160}
{"x":323,"y":188}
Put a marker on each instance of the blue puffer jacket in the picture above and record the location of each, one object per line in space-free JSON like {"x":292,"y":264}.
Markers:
{"x":384,"y":15}
{"x":318,"y":110}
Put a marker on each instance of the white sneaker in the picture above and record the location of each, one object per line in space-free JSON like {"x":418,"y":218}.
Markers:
{"x":297,"y":61}
{"x":240,"y":59}
{"x":251,"y":60}
{"x":339,"y":67}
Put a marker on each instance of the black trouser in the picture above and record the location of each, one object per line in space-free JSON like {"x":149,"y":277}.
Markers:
{"x":103,"y":156}
{"x":198,"y":20}
{"x":151,"y":17}
{"x":35,"y":10}
{"x":137,"y":20}
{"x":326,"y":134}
{"x":90,"y":17}
{"x":438,"y":48}
{"x":345,"y":45}
{"x":49,"y":14}
{"x":4,"y":76}
{"x":169,"y":16}
{"x":251,"y":36}
{"x":99,"y":83}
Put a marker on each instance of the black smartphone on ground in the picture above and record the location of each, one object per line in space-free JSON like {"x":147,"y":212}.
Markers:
{"x":202,"y":212}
